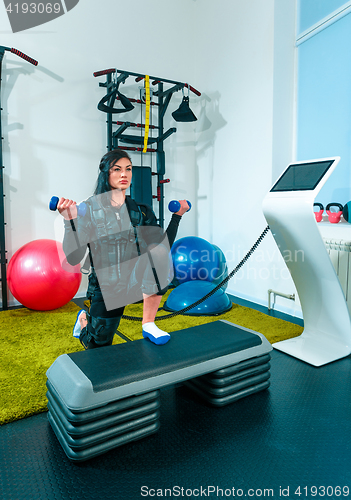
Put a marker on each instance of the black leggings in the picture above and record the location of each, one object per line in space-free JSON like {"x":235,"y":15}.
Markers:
{"x":102,"y":324}
{"x":98,"y":309}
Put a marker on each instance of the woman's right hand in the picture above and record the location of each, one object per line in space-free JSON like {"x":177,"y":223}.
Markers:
{"x":67,"y":208}
{"x":184,"y":207}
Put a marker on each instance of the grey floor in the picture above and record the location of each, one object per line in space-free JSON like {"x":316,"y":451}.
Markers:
{"x":294,"y":437}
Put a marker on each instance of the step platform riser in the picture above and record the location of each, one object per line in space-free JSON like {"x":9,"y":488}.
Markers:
{"x":104,"y":398}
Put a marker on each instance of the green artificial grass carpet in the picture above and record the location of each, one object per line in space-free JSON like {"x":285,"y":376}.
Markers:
{"x":273,"y":329}
{"x":32,"y":340}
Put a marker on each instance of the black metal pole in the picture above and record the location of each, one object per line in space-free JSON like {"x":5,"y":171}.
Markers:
{"x":109,"y":119}
{"x":160,"y":156}
{"x":3,"y":259}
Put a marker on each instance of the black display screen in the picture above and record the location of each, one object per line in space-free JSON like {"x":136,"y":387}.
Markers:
{"x":302,"y":176}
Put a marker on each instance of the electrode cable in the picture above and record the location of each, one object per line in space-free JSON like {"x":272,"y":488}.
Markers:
{"x":233,"y":272}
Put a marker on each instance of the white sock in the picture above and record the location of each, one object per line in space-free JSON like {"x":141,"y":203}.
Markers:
{"x":155,"y":334}
{"x":77,"y":328}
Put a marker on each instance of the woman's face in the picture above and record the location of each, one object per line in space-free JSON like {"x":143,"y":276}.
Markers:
{"x":120,"y":175}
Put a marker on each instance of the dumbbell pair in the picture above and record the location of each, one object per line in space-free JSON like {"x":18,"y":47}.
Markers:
{"x":334,"y":217}
{"x":173,"y":206}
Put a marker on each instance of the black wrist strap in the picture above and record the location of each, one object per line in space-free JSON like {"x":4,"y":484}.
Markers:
{"x":72,"y":225}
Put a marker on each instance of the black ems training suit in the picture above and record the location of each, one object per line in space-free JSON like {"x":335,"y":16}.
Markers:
{"x":115,"y":238}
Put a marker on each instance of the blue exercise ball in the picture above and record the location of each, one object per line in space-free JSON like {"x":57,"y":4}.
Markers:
{"x":189,"y":292}
{"x":194,"y":259}
{"x":222,"y":271}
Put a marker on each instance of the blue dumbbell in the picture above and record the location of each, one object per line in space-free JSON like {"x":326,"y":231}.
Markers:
{"x":82,"y":208}
{"x":174,"y":206}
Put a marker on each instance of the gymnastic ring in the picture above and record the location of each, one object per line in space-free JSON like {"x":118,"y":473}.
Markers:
{"x":128,"y":106}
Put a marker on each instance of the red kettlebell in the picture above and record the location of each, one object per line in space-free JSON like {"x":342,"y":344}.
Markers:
{"x":319,"y":214}
{"x":334,"y":217}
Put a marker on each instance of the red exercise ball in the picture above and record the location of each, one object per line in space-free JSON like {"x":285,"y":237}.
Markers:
{"x":40,"y":278}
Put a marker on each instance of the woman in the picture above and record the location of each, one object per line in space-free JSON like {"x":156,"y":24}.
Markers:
{"x":124,"y":242}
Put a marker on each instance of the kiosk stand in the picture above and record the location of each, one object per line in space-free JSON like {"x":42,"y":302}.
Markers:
{"x":288,"y":209}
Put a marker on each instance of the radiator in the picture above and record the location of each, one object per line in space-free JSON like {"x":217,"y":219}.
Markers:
{"x":340,"y":255}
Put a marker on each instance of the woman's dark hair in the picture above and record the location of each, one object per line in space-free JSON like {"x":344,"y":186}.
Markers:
{"x":107,"y":162}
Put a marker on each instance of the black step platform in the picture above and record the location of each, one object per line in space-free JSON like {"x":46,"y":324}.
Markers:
{"x":103,"y":398}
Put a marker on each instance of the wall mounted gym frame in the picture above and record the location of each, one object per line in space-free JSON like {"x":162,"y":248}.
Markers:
{"x":120,"y":132}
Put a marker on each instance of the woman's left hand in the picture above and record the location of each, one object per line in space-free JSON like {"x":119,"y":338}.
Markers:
{"x":184,"y":207}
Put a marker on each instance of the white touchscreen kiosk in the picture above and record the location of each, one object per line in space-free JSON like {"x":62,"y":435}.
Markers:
{"x":288,"y":209}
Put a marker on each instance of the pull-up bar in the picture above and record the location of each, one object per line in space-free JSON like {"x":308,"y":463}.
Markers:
{"x":20,"y":54}
{"x":155,"y":82}
{"x":130,"y":124}
{"x":131,"y":148}
{"x":138,"y":101}
{"x":139,"y":77}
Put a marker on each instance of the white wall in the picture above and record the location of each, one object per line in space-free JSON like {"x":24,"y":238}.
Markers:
{"x":55,"y":136}
{"x":248,"y":85}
